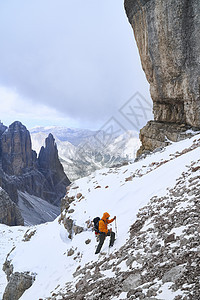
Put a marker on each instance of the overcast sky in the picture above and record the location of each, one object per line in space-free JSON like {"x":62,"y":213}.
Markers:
{"x":70,"y":63}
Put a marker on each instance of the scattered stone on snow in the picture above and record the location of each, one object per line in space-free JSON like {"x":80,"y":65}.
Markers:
{"x":70,"y":252}
{"x":88,"y":241}
{"x":79,"y":195}
{"x":28,"y":235}
{"x":167,"y":251}
{"x":77,"y":229}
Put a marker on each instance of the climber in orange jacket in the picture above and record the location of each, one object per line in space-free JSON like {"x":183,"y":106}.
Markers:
{"x":103,"y":228}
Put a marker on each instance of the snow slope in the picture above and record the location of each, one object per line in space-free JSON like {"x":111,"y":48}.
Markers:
{"x":121,"y":192}
{"x":9,"y":238}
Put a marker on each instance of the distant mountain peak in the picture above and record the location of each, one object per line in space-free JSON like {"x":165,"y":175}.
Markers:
{"x":16,"y":149}
{"x":82,"y":152}
{"x":17,"y":123}
{"x":21,"y":170}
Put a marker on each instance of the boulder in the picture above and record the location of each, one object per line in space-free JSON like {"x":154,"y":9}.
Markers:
{"x":70,"y":252}
{"x":131,"y":282}
{"x":170,"y":238}
{"x":77,"y":229}
{"x":88,"y":241}
{"x":64,"y":204}
{"x":68,"y":224}
{"x":79,"y":195}
{"x":173,"y":274}
{"x":8,"y":268}
{"x":17,"y":285}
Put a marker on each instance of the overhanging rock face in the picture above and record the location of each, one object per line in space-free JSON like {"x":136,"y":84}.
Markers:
{"x":168,"y":38}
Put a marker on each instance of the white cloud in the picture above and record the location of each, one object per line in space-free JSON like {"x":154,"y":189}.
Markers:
{"x":74,"y":57}
{"x":14,"y":107}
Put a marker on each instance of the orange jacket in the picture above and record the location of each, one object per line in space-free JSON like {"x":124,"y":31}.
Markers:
{"x":103,"y":223}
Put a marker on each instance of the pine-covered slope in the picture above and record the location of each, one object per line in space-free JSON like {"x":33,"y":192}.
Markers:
{"x":157,"y":251}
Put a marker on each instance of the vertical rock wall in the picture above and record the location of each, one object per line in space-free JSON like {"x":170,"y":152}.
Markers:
{"x":167,"y":33}
{"x":50,"y":166}
{"x":21,"y":170}
{"x":17,"y":154}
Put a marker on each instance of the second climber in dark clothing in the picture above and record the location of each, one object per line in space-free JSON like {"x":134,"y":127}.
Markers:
{"x":103,"y":229}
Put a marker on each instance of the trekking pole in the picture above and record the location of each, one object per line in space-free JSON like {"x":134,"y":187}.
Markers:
{"x":116,"y":227}
{"x":108,"y":250}
{"x":109,"y":243}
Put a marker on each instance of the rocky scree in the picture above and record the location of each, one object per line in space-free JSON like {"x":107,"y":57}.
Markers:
{"x":68,"y":222}
{"x":164,"y":247}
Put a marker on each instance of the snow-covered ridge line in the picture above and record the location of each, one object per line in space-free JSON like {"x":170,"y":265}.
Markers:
{"x":155,"y":165}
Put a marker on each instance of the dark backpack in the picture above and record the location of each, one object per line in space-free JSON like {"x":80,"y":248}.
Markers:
{"x":96,"y":224}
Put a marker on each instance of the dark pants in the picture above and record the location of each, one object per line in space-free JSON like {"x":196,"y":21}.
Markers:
{"x":102,"y":239}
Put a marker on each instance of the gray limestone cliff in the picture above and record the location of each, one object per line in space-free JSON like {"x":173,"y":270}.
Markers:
{"x":17,"y":154}
{"x":49,"y":165}
{"x":21,"y":170}
{"x":168,"y":38}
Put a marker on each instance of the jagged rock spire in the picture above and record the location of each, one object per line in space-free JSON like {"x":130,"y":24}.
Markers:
{"x":17,"y":154}
{"x":21,"y":170}
{"x":51,"y":168}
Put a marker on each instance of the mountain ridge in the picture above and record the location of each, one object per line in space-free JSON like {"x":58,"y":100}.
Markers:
{"x":21,"y":169}
{"x":87,"y":154}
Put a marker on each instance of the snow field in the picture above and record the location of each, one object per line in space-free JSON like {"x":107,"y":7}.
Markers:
{"x":106,"y":190}
{"x":9,"y":238}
